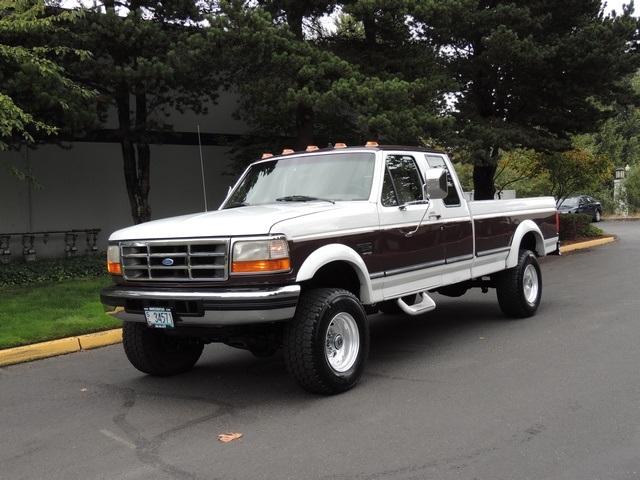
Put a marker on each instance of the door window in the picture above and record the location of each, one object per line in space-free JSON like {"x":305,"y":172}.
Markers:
{"x":402,"y":181}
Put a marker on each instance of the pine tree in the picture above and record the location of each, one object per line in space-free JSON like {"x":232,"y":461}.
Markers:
{"x":530,"y":73}
{"x":146,"y":57}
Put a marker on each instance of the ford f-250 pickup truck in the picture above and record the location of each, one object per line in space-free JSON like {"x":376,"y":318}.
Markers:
{"x":305,"y":246}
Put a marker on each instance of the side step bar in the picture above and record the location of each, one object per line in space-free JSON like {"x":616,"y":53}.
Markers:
{"x":424,"y":303}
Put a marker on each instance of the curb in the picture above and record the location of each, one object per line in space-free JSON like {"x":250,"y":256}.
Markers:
{"x":63,"y":346}
{"x":589,"y":244}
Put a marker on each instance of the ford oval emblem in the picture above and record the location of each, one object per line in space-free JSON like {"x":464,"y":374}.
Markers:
{"x":167,"y":262}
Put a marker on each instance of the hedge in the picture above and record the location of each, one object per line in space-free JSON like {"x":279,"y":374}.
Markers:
{"x":576,"y":225}
{"x":53,"y":270}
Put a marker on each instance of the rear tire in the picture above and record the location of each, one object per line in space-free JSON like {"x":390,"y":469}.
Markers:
{"x":519,"y":289}
{"x":154,"y":352}
{"x":326,"y":344}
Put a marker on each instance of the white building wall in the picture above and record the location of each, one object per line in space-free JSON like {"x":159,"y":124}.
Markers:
{"x":83,"y":187}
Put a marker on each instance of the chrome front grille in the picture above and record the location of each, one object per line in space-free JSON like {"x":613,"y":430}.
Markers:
{"x":179,"y":260}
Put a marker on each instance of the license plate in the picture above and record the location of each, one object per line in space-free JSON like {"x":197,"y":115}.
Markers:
{"x":159,"y":317}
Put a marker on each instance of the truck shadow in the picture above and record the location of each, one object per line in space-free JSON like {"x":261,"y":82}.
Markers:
{"x":235,"y":376}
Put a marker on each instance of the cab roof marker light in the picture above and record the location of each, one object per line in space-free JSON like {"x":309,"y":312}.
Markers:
{"x":340,"y":145}
{"x":287,"y":151}
{"x":371,"y":144}
{"x":267,"y":155}
{"x":312,"y":148}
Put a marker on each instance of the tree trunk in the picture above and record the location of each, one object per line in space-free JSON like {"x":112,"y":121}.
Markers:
{"x":304,"y":127}
{"x":295,"y":17}
{"x":304,"y":114}
{"x":483,"y":187}
{"x":136,"y":157}
{"x":144,"y":159}
{"x":484,"y":172}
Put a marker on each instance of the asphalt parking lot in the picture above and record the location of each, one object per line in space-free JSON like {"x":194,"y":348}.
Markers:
{"x":458,"y":393}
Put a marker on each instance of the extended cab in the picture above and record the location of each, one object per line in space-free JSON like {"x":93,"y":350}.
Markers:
{"x":305,"y":246}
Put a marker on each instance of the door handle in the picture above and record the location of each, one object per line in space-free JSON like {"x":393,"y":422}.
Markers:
{"x":434,"y":216}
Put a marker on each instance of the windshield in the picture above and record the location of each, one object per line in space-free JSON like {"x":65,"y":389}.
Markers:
{"x":332,"y":177}
{"x":570,"y":202}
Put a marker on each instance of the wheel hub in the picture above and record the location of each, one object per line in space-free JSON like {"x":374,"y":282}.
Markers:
{"x":530,"y":284}
{"x":342,"y":342}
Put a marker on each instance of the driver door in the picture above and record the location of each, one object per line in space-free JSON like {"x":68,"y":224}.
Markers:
{"x":411,"y":232}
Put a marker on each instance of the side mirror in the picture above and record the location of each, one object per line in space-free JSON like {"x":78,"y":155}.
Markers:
{"x":436,"y":183}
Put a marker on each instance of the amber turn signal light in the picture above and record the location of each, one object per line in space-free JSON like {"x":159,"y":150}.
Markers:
{"x":258,"y":266}
{"x":114,"y":268}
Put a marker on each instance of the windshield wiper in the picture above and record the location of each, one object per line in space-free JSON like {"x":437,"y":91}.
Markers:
{"x":302,"y":198}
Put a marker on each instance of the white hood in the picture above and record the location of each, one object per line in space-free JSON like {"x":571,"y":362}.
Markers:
{"x":251,"y":220}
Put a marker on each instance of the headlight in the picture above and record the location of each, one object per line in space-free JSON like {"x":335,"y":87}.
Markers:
{"x":113,"y":260}
{"x":260,"y":256}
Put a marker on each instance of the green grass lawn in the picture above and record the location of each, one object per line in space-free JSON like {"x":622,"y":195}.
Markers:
{"x":40,"y":312}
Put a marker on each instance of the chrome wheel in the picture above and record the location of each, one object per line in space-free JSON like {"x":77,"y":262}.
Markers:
{"x":530,"y":284}
{"x":519,"y":288}
{"x":342,"y":342}
{"x":326,"y":344}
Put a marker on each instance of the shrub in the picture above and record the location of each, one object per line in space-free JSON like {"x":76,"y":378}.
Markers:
{"x":53,"y":270}
{"x":576,"y":225}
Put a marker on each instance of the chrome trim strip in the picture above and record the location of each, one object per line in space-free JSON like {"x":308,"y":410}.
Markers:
{"x":288,"y":291}
{"x":461,"y":258}
{"x":484,"y":253}
{"x":413,"y":268}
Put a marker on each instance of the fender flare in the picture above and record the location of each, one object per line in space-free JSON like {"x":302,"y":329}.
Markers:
{"x":527,"y":226}
{"x":337,"y":252}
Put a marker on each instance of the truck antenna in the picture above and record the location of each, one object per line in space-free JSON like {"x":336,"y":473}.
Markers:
{"x":204,"y":186}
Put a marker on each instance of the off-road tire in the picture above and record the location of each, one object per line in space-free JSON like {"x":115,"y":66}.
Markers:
{"x":154,"y":352}
{"x":519,"y":289}
{"x":326,"y":344}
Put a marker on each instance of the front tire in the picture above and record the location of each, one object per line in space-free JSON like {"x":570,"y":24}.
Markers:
{"x":154,"y":352}
{"x":598,"y":216}
{"x":519,"y":289}
{"x":326,"y":344}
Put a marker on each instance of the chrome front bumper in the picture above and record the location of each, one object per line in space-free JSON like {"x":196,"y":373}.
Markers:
{"x":204,"y":308}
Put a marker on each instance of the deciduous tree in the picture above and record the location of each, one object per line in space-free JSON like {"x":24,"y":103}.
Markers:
{"x":37,"y":99}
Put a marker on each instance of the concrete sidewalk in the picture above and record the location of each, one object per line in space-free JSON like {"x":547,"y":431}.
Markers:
{"x":94,"y":340}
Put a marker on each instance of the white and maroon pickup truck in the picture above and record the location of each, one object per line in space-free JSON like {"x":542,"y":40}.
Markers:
{"x":305,"y":246}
